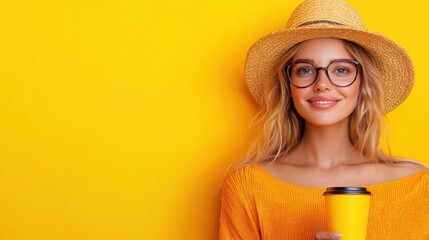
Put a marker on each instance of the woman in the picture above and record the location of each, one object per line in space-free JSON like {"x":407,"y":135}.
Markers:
{"x":323,"y":85}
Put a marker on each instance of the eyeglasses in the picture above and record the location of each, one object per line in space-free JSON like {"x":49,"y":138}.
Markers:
{"x":341,"y":73}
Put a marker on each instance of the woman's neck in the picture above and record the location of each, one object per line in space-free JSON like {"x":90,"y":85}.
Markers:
{"x":326,"y":147}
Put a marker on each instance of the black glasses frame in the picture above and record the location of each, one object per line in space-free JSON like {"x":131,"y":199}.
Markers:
{"x":356,"y":63}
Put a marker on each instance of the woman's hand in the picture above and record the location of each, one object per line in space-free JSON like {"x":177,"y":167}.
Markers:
{"x":328,"y":236}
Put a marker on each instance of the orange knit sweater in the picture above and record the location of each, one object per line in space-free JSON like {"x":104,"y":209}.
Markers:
{"x":256,"y":205}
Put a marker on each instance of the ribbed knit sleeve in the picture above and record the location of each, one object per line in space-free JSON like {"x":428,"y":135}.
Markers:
{"x":237,"y":218}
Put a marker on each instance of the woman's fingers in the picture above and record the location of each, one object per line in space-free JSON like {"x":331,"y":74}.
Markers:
{"x":328,"y":235}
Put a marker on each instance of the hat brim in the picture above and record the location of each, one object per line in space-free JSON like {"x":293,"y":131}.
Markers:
{"x":395,"y":65}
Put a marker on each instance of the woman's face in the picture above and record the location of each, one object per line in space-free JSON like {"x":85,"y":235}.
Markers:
{"x":323,"y":103}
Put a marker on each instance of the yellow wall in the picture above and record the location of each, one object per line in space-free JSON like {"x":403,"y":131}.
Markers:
{"x":118,"y":118}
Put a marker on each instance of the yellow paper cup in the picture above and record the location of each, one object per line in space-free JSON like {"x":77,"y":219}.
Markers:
{"x":347,"y":209}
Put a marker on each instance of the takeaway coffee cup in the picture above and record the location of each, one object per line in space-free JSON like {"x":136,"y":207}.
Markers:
{"x":347,"y":209}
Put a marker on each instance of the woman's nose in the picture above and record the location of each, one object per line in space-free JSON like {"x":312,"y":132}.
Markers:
{"x":322,"y":81}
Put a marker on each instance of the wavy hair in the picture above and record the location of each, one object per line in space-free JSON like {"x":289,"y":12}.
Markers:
{"x":281,"y":128}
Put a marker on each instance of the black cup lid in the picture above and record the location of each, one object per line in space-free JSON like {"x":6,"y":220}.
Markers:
{"x":346,"y":190}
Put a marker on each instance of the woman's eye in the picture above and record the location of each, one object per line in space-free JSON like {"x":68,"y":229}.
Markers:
{"x":305,"y":71}
{"x":341,"y":71}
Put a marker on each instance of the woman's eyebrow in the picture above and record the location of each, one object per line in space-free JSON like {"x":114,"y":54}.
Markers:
{"x":303,"y":60}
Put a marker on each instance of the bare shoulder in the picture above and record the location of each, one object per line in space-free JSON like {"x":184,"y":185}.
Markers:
{"x":399,"y":169}
{"x":408,"y":166}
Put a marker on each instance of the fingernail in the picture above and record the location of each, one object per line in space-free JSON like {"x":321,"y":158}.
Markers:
{"x":337,"y":235}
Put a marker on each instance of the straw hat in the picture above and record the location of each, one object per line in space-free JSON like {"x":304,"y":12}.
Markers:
{"x":331,"y":19}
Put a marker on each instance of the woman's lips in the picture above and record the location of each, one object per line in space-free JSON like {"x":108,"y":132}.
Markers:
{"x":323,"y":102}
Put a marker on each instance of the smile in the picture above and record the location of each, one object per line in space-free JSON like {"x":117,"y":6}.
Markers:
{"x":323,"y":102}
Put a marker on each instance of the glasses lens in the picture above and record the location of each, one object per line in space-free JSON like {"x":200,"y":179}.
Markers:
{"x":342,"y":73}
{"x":302,"y":74}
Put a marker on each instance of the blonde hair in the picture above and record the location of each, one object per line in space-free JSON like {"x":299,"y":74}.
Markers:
{"x":281,"y":127}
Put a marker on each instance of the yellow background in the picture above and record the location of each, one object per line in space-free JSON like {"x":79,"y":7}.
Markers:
{"x":119,"y":118}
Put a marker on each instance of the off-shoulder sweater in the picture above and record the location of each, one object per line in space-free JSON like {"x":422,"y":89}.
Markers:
{"x":256,"y":205}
